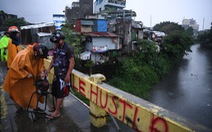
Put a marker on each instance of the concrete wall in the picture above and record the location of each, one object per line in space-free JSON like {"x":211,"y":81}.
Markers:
{"x":140,"y":115}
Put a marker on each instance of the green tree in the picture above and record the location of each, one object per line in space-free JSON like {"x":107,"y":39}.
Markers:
{"x":89,"y":64}
{"x":167,"y":27}
{"x":190,"y":31}
{"x":205,"y":38}
{"x":137,"y":72}
{"x":142,"y":69}
{"x":16,"y":22}
{"x":74,"y":39}
{"x":6,"y":23}
{"x":210,"y":35}
{"x":176,"y":44}
{"x":202,"y":37}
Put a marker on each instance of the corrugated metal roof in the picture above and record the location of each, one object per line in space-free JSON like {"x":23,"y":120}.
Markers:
{"x":86,"y":22}
{"x":37,"y":25}
{"x":101,"y":34}
{"x":42,"y":34}
{"x":159,"y":34}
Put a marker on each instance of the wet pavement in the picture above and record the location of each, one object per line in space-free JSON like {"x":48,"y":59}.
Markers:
{"x":74,"y":116}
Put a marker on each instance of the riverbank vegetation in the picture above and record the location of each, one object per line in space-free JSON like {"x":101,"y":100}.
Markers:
{"x":205,"y":38}
{"x":137,"y":71}
{"x":142,"y":69}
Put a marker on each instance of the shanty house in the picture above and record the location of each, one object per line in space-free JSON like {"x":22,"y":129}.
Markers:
{"x":29,"y":33}
{"x":100,"y":47}
{"x":91,"y":25}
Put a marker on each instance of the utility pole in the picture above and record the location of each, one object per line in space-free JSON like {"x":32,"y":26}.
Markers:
{"x":203,"y":24}
{"x":151,"y":21}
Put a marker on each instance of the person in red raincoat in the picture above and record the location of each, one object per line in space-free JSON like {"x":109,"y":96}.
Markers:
{"x":20,"y":78}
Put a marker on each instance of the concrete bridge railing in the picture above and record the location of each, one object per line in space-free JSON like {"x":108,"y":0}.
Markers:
{"x":140,"y":115}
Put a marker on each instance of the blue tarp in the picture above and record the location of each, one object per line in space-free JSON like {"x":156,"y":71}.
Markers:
{"x":102,"y":25}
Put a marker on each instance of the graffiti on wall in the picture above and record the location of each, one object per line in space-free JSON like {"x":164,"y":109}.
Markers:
{"x":137,"y":117}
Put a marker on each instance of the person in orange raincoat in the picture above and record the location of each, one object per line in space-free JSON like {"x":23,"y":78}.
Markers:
{"x":13,"y":45}
{"x":19,"y":81}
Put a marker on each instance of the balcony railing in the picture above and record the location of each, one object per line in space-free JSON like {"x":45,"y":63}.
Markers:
{"x":123,"y":3}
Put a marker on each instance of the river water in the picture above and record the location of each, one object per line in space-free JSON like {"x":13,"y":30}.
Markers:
{"x":187,"y":90}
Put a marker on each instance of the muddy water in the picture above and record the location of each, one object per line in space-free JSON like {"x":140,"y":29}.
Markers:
{"x":187,"y":90}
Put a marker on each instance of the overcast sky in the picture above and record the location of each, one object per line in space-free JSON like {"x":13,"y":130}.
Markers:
{"x":150,"y":12}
